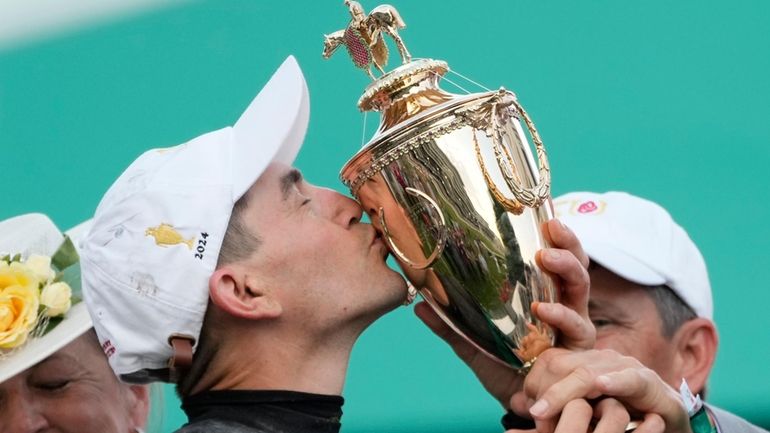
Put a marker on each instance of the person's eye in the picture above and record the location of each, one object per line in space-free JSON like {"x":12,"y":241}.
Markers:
{"x":305,"y":201}
{"x":600,"y":322}
{"x":53,"y":385}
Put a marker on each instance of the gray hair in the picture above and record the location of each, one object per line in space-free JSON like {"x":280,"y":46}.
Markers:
{"x":673,"y":311}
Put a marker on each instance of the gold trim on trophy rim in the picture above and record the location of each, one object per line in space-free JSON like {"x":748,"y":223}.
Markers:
{"x":397,"y":77}
{"x":360,"y":175}
{"x":399,"y":151}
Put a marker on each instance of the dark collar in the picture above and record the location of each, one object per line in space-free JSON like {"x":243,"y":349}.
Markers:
{"x":269,"y":411}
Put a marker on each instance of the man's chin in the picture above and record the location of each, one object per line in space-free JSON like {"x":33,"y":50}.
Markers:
{"x":401,"y":291}
{"x":395,"y":293}
{"x":400,"y":282}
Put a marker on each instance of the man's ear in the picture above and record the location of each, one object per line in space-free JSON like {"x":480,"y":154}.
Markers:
{"x":696,"y":344}
{"x":243,"y":297}
{"x":139,"y":404}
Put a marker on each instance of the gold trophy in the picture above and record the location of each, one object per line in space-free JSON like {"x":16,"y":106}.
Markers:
{"x":451,"y":184}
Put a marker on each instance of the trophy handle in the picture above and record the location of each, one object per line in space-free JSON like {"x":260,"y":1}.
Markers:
{"x":440,"y":239}
{"x":512,"y":206}
{"x":530,"y":197}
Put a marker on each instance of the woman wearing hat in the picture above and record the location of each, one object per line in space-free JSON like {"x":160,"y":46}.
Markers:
{"x":53,"y":374}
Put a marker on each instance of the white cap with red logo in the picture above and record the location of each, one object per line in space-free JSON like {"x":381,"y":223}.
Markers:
{"x":640,"y":242}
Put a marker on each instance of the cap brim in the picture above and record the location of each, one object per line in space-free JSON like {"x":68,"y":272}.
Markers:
{"x":272,"y":128}
{"x":36,"y":233}
{"x":620,"y":263}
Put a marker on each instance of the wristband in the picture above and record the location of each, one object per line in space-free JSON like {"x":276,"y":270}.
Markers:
{"x":513,"y":421}
{"x":700,"y":421}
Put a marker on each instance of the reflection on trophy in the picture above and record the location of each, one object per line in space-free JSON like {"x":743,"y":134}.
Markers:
{"x":452,"y":185}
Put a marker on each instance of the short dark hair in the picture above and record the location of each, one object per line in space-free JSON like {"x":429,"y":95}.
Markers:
{"x":239,"y":243}
{"x":673,"y":311}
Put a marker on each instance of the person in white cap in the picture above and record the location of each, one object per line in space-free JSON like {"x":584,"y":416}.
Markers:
{"x":213,"y":264}
{"x":651,"y":304}
{"x":650,"y":300}
{"x":55,"y":380}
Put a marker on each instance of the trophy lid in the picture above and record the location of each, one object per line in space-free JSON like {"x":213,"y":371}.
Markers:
{"x":408,"y":79}
{"x":410,"y":89}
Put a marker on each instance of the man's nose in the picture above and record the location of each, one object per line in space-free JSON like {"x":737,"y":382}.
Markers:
{"x":347,"y":210}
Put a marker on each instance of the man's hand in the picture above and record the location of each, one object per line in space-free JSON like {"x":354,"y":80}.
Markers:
{"x":606,"y":416}
{"x":560,"y":376}
{"x":566,"y":262}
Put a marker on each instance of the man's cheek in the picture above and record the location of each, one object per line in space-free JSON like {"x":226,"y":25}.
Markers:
{"x":606,"y":339}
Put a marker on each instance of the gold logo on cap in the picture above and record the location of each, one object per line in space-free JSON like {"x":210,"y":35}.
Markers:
{"x":166,"y":235}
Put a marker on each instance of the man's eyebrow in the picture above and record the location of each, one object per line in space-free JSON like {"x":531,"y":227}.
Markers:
{"x":288,"y":180}
{"x":592,"y":305}
{"x":603,"y":307}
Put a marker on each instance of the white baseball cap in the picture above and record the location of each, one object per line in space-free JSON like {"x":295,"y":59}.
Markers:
{"x":639,"y":241}
{"x":36,"y":234}
{"x":158,"y":230}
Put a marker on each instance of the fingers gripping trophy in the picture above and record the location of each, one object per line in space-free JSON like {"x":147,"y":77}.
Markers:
{"x":451,"y":184}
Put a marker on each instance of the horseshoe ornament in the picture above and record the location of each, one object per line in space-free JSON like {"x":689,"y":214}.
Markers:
{"x":503,"y":106}
{"x":440,"y":238}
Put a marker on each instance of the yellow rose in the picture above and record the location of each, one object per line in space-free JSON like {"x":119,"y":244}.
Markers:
{"x":57,"y":298}
{"x":19,"y":293}
{"x":41,"y":266}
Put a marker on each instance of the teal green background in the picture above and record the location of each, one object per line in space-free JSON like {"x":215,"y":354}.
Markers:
{"x":667,"y":100}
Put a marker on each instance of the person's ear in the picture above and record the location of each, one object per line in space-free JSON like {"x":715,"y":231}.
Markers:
{"x":696,"y":344}
{"x":138,"y":404}
{"x":241,"y":296}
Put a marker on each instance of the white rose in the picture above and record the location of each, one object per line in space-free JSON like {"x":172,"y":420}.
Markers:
{"x":41,"y":267}
{"x":57,"y":298}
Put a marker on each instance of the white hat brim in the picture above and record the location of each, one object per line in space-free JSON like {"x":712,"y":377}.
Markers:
{"x":76,"y":322}
{"x":273,"y":126}
{"x":620,"y":263}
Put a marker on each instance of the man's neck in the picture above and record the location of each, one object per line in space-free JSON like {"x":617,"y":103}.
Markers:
{"x":315,"y":366}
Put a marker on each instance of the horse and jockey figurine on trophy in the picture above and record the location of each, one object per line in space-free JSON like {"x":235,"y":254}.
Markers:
{"x":363,"y":37}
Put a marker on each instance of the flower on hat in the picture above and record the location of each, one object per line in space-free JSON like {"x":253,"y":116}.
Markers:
{"x":41,"y":266}
{"x":19,"y":300}
{"x":56,"y":298}
{"x":29,"y":295}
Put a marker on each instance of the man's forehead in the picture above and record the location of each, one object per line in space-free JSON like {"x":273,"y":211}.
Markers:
{"x":60,"y":361}
{"x":598,"y":303}
{"x":617,"y":296}
{"x":275,"y":179}
{"x":274,"y":172}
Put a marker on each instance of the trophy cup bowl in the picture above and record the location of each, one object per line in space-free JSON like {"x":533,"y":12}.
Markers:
{"x":451,"y":183}
{"x":453,"y":187}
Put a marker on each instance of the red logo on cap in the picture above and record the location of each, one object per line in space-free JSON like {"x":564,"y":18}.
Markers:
{"x":108,"y":348}
{"x":587,"y":207}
